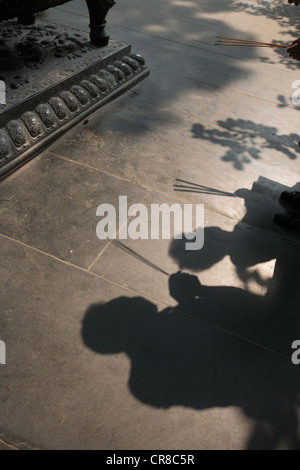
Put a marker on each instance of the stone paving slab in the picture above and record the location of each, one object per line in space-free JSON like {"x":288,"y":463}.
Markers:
{"x":51,"y":200}
{"x":226,"y":154}
{"x":88,"y":360}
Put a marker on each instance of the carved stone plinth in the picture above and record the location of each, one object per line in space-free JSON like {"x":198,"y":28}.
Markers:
{"x":26,"y":10}
{"x":11,"y":8}
{"x":54,"y":78}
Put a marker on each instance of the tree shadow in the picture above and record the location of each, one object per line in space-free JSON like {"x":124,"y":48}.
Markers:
{"x":246,"y":140}
{"x":287,"y":16}
{"x":173,"y":41}
{"x":220,"y":346}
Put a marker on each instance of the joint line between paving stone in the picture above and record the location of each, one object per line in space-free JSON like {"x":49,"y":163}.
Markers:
{"x":79,"y":268}
{"x":224,"y":330}
{"x":211,"y":325}
{"x":10,"y":446}
{"x":62,"y":157}
{"x":110,"y":242}
{"x":177,"y":198}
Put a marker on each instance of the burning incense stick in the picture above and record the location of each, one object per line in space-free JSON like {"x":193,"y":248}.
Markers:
{"x":226,"y":41}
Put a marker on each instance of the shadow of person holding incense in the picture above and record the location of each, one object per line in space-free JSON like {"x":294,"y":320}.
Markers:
{"x":221,"y":346}
{"x":195,"y":356}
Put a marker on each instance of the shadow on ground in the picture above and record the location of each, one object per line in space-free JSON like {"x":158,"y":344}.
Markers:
{"x":247,"y":140}
{"x":287,"y":16}
{"x":191,"y":19}
{"x":221,"y":346}
{"x":179,"y":64}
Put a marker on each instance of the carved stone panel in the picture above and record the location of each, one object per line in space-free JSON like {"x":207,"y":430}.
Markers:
{"x":54,"y":78}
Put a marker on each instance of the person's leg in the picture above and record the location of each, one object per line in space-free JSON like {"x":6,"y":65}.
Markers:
{"x":27,"y":19}
{"x":98,"y":10}
{"x":290,"y":200}
{"x":290,"y":220}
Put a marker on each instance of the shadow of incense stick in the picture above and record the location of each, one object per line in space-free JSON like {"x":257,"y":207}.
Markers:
{"x":137,"y":256}
{"x":193,"y":187}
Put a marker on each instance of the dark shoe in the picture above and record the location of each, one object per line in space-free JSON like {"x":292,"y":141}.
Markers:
{"x":99,"y":36}
{"x":27,"y":20}
{"x":290,"y":200}
{"x":289,"y":220}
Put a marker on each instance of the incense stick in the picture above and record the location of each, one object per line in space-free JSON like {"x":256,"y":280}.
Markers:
{"x":250,"y":45}
{"x":227,"y":41}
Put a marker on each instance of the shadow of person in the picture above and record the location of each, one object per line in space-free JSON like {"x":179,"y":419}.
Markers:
{"x":272,"y":319}
{"x":221,"y":346}
{"x":179,"y":359}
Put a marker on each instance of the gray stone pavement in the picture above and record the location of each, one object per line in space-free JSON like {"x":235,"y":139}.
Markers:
{"x":104,"y":349}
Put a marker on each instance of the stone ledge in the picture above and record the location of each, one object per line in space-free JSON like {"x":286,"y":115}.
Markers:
{"x":41,"y":111}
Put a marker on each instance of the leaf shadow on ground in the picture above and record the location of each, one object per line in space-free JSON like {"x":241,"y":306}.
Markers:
{"x":246,"y":140}
{"x":287,"y":16}
{"x":178,"y":64}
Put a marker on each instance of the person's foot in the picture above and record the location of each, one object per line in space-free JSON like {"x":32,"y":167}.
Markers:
{"x":27,"y":20}
{"x":99,"y":36}
{"x":290,"y":200}
{"x":288,"y":220}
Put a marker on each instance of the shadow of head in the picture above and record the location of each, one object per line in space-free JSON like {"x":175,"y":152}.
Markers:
{"x":112,"y":327}
{"x":215,"y":248}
